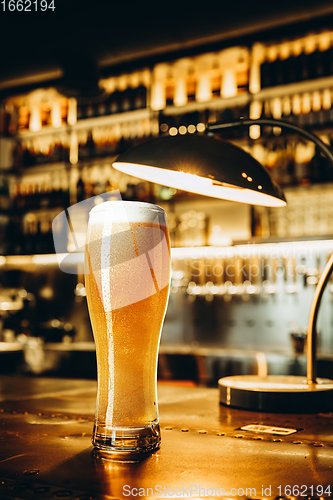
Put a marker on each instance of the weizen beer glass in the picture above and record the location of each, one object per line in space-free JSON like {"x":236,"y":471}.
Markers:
{"x":127,"y":275}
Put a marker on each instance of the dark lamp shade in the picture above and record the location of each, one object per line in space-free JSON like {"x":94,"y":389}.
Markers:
{"x":203,"y":165}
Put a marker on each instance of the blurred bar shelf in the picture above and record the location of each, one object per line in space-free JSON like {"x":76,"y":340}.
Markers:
{"x":218,"y":104}
{"x":88,"y":123}
{"x":294,"y":88}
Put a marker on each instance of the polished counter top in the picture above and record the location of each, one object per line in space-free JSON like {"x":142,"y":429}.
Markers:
{"x":46,"y":452}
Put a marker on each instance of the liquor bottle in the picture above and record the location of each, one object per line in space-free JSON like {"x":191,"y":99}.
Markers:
{"x":18,"y":151}
{"x":328,"y":61}
{"x":44,"y":198}
{"x":38,"y":239}
{"x":29,"y":235}
{"x":316,"y":63}
{"x":98,"y":184}
{"x":130,"y":193}
{"x":127,"y":100}
{"x":80,"y":190}
{"x":23,"y":118}
{"x":166,"y":122}
{"x":295,"y":109}
{"x":169,"y":92}
{"x":4,"y":195}
{"x":13,"y":120}
{"x":266,"y":74}
{"x":49,"y":243}
{"x":5,"y":118}
{"x":57,"y":155}
{"x":102,"y":108}
{"x":192,"y":119}
{"x":302,"y":67}
{"x":81,"y":112}
{"x":90,"y":145}
{"x":191,"y":85}
{"x":87,"y":149}
{"x":28,"y":196}
{"x":142,"y":192}
{"x":109,"y":186}
{"x":44,"y":231}
{"x":29,"y":157}
{"x":278,"y":72}
{"x":14,"y":236}
{"x":88,"y":188}
{"x":18,"y":202}
{"x":290,"y":69}
{"x":140,"y":97}
{"x":64,"y":111}
{"x":46,"y":114}
{"x":318,"y":167}
{"x":114,"y":106}
{"x":90,"y":111}
{"x":216,"y":83}
{"x":65,"y":202}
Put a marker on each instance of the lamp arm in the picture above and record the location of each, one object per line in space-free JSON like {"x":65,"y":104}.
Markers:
{"x":312,"y":333}
{"x":325,"y":276}
{"x":219,"y":126}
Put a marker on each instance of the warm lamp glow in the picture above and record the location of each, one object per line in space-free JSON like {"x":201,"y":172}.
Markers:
{"x":202,"y":165}
{"x":198,"y":184}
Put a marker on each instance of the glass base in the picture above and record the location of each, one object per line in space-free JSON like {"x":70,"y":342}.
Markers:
{"x":127,"y":443}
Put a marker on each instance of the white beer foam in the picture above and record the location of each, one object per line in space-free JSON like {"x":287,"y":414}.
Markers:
{"x":127,"y":211}
{"x":146,"y":251}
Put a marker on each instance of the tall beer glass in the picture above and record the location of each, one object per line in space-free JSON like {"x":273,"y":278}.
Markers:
{"x":127,"y":275}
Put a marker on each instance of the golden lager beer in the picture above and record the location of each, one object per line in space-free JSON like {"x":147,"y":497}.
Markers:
{"x":127,"y":275}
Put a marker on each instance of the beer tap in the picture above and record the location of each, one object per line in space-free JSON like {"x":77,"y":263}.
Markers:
{"x":230,"y":287}
{"x":270,"y":271}
{"x":290,"y":275}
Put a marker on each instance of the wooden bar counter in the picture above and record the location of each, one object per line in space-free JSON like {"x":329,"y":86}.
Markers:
{"x":46,"y":451}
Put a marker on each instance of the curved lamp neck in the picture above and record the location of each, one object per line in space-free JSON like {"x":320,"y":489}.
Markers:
{"x":311,"y":331}
{"x":244,"y":122}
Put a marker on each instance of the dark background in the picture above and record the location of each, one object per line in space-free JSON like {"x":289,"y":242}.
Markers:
{"x":83,"y":40}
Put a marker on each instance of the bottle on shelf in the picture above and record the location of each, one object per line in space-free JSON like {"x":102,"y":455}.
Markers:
{"x":102,"y":107}
{"x":115,"y":102}
{"x":14,"y":236}
{"x":44,"y":198}
{"x":46,"y":114}
{"x":23,"y":118}
{"x":87,"y":149}
{"x":81,"y":112}
{"x":127,"y":100}
{"x":140,"y":97}
{"x":19,"y":201}
{"x":80,"y":191}
{"x":216,"y":82}
{"x":265,"y":74}
{"x":5,"y":200}
{"x":169,"y":91}
{"x":319,"y":168}
{"x":191,"y":85}
{"x":90,"y":110}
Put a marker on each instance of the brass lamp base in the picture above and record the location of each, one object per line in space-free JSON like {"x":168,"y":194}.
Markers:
{"x":278,"y":394}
